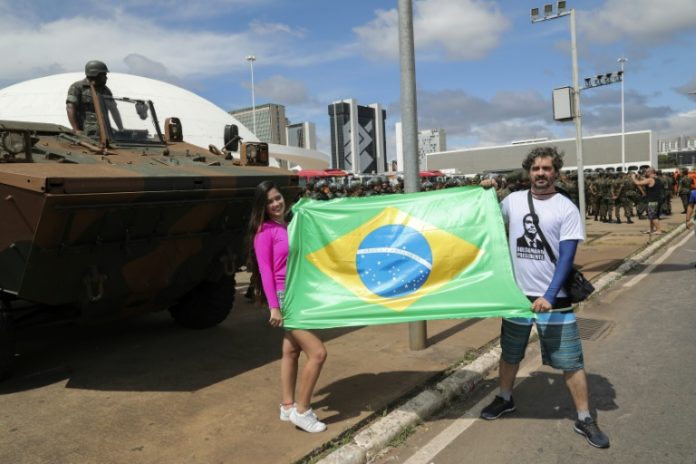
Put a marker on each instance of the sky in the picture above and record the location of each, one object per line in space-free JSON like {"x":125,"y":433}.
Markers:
{"x":484,"y":72}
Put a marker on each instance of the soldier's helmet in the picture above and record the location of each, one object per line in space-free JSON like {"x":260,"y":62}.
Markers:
{"x":333,"y":187}
{"x":372,"y":183}
{"x":95,"y":67}
{"x":355,"y":185}
{"x":319,"y":186}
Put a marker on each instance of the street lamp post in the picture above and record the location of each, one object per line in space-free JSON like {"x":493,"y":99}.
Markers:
{"x":251,"y":59}
{"x":621,"y":62}
{"x":577,"y":116}
{"x":418,"y":330}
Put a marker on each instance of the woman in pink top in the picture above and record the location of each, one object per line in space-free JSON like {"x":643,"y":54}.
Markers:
{"x":268,"y":259}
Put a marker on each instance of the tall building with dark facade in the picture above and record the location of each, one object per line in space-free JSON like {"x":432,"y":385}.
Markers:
{"x":358,"y":143}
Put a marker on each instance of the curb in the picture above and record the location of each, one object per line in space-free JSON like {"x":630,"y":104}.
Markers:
{"x":460,"y":383}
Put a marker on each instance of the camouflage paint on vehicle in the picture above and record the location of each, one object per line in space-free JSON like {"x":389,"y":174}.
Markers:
{"x":114,"y":227}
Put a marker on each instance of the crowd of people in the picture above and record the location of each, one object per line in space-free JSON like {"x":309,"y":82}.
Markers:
{"x":609,"y":196}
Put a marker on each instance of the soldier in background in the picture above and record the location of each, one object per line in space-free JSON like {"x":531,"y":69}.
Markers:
{"x":629,"y":197}
{"x":684,"y":188}
{"x":617,"y":196}
{"x":79,"y":104}
{"x":321,"y":190}
{"x":572,"y":184}
{"x":603,"y":193}
{"x":592,"y":197}
{"x":355,"y":188}
{"x":668,"y":184}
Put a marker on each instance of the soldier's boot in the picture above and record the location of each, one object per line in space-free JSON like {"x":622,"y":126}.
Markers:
{"x":618,"y":221}
{"x":628,"y":220}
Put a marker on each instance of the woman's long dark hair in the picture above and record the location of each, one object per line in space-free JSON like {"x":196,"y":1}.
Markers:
{"x":258,"y":217}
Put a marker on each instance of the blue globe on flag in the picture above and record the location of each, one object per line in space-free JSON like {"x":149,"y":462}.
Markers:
{"x":394,"y":260}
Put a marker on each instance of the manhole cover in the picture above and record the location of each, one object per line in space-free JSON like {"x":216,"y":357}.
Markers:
{"x":592,"y":329}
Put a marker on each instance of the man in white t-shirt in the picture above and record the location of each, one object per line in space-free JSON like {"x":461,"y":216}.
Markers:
{"x":555,"y":225}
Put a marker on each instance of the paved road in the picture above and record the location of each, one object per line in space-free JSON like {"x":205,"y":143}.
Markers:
{"x":642,"y":378}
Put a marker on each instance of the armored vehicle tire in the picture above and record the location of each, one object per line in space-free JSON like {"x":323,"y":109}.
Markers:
{"x":7,"y":344}
{"x":205,"y":306}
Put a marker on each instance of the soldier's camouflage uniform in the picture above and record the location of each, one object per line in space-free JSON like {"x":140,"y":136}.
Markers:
{"x":630,"y":197}
{"x":618,"y":197}
{"x":684,"y":190}
{"x":80,"y":95}
{"x":668,"y":183}
{"x":604,"y":193}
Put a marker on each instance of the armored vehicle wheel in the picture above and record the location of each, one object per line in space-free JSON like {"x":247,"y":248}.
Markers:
{"x":205,"y":306}
{"x":7,"y":343}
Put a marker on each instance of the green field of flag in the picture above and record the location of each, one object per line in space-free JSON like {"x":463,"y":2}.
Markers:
{"x":399,"y":258}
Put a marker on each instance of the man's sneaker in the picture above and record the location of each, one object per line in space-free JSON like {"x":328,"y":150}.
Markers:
{"x":590,"y":430}
{"x":285,"y":413}
{"x":307,"y":421}
{"x":497,"y":408}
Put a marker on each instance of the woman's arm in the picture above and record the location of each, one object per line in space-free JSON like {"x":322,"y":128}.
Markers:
{"x":263,"y":247}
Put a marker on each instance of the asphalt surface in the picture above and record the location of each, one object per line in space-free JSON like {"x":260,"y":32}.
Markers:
{"x":143,"y":390}
{"x":641,"y":375}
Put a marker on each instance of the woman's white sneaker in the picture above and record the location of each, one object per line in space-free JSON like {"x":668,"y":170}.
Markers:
{"x":307,"y":421}
{"x":285,"y":412}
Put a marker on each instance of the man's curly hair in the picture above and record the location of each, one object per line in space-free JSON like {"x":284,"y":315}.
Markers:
{"x":544,"y":152}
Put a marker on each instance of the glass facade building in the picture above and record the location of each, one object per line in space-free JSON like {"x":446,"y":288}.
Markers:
{"x":358,"y":143}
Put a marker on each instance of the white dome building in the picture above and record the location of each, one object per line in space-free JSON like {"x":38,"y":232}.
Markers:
{"x":43,"y":100}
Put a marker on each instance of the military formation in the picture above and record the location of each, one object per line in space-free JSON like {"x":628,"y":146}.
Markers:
{"x":609,"y":196}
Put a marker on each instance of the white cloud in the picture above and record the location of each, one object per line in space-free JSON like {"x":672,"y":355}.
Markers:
{"x":678,"y":124}
{"x":457,"y":29}
{"x":640,"y":20}
{"x":29,"y":48}
{"x":265,"y":28}
{"x":279,"y":89}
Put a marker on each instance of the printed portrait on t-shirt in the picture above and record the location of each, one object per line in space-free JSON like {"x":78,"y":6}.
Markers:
{"x":530,"y":245}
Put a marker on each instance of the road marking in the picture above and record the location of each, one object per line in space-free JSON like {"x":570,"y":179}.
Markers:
{"x":657,"y":262}
{"x":426,"y":454}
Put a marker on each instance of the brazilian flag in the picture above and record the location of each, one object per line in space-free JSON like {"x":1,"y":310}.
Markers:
{"x":399,"y":258}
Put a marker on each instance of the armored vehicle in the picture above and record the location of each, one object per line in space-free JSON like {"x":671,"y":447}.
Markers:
{"x":129,"y":220}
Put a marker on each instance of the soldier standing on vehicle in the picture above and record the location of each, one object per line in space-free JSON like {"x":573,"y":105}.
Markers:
{"x":79,"y":104}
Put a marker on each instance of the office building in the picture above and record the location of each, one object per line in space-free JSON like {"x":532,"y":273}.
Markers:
{"x":270,"y":122}
{"x":429,"y":141}
{"x":303,"y":135}
{"x":599,"y":151}
{"x":676,"y":144}
{"x":358,"y":143}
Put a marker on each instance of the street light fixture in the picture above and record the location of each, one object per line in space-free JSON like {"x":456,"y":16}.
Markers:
{"x":613,"y":78}
{"x":561,"y":10}
{"x":251,"y":59}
